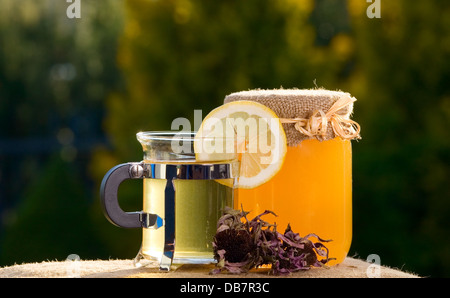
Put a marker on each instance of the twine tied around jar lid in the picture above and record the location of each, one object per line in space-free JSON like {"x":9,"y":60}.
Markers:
{"x":307,"y":113}
{"x":317,"y":124}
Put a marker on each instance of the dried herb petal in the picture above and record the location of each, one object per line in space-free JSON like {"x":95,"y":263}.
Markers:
{"x":240,"y":245}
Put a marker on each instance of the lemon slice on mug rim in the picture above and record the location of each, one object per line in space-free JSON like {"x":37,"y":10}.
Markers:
{"x":258,"y":140}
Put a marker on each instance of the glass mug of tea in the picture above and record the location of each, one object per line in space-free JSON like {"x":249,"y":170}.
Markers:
{"x":182,"y":199}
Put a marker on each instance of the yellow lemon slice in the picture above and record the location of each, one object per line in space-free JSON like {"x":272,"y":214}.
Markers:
{"x":248,"y":131}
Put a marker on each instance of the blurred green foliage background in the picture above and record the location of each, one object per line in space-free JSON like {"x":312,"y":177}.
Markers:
{"x":74,"y":92}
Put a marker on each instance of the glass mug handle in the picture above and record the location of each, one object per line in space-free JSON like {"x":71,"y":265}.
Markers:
{"x":108,"y":195}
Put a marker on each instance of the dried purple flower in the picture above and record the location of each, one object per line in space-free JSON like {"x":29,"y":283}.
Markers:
{"x":240,"y":245}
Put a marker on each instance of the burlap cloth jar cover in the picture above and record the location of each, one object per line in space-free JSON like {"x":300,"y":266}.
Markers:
{"x":307,"y":113}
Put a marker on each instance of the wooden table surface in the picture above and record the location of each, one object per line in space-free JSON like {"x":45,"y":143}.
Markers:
{"x":350,"y":268}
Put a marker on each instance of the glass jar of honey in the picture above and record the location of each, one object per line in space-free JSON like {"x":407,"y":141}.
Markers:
{"x":313,"y":190}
